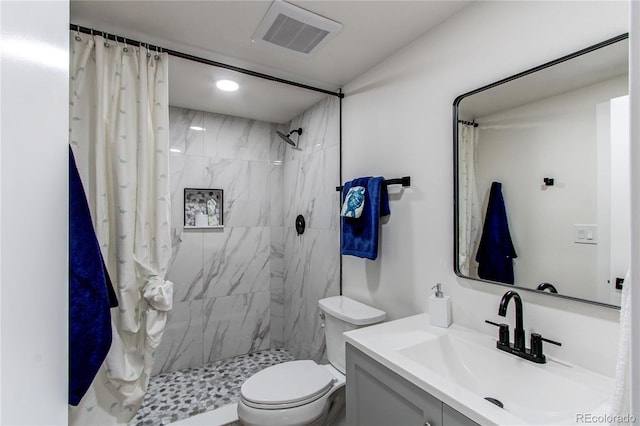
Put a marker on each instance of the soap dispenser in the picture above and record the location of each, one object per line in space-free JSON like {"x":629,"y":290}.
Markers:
{"x":439,"y":308}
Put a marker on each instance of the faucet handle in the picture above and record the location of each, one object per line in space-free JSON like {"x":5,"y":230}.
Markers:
{"x":536,"y":344}
{"x":550,"y":341}
{"x":503,"y":334}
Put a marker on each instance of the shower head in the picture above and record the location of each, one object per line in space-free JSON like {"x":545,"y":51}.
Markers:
{"x":287,"y":137}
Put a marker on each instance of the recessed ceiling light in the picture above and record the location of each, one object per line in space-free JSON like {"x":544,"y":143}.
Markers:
{"x":175,"y":150}
{"x":227,"y":85}
{"x":197,"y":128}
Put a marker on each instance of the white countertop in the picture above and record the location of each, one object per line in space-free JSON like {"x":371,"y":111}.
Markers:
{"x":387,"y":343}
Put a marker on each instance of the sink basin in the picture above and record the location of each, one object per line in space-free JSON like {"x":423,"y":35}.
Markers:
{"x":551,"y":393}
{"x":463,"y":368}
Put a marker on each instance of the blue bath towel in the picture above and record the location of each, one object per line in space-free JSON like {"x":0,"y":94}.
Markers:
{"x":90,"y":294}
{"x":496,"y":252}
{"x":360,"y":235}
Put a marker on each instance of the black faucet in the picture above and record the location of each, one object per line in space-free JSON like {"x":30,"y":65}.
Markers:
{"x":518,"y":332}
{"x":518,"y":347}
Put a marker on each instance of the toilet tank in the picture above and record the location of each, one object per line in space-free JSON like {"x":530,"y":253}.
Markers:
{"x":342,"y":314}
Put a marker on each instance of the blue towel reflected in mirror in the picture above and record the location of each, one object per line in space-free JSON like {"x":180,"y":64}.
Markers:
{"x":496,"y":252}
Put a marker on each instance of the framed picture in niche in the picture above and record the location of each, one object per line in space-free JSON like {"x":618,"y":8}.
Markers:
{"x":203,"y":208}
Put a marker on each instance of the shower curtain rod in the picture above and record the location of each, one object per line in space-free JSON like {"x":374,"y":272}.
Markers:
{"x":468,"y":123}
{"x":189,"y":57}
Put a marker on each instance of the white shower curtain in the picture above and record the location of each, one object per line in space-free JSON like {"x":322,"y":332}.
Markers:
{"x":468,"y":205}
{"x":119,"y":132}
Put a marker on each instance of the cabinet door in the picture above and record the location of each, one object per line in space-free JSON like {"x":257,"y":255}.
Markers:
{"x":376,"y":396}
{"x":451,"y":417}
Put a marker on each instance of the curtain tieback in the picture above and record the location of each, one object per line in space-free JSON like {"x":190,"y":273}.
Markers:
{"x":159,"y":293}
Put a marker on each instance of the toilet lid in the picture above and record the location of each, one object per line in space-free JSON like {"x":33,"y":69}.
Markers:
{"x":287,"y":383}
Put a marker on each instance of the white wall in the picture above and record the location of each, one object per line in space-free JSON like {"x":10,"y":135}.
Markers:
{"x":397,"y":120}
{"x":33,"y":287}
{"x":620,"y":205}
{"x":634,"y":109}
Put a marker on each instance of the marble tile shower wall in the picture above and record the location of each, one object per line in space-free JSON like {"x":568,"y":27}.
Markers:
{"x":255,"y":284}
{"x":312,"y":261}
{"x":223,"y":279}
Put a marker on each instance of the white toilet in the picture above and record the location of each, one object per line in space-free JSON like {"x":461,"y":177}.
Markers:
{"x":298,"y":393}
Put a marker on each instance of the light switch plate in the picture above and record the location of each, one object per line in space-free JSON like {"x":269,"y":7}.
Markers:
{"x":585,"y":234}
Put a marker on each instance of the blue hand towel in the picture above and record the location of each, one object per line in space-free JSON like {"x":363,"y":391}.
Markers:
{"x":360,"y":236}
{"x":90,"y":294}
{"x":496,"y":252}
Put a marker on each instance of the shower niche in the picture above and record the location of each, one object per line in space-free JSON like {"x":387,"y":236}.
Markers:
{"x":203,"y":208}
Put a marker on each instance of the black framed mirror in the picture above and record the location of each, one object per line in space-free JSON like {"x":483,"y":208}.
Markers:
{"x":541,"y":177}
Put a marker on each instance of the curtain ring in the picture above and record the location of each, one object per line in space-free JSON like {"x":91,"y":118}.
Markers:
{"x":148,"y":53}
{"x":157,"y":56}
{"x":106,"y":40}
{"x":77,"y":37}
{"x":125,"y":49}
{"x":92,"y":36}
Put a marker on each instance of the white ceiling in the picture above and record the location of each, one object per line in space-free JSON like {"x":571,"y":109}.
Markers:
{"x":222,"y":30}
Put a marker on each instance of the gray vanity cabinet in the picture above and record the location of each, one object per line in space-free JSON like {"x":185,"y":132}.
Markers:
{"x":451,"y":417}
{"x":376,"y":396}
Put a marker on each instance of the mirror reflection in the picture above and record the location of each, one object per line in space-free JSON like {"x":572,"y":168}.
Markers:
{"x":542,"y":177}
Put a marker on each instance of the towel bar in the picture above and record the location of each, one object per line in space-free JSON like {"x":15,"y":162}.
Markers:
{"x":404,"y":181}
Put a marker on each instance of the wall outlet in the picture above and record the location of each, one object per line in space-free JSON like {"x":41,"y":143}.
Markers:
{"x":585,"y":234}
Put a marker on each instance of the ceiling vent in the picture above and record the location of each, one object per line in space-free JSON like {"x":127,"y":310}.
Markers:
{"x":295,"y":30}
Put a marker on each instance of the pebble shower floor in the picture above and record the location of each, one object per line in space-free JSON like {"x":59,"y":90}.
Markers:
{"x":185,"y":393}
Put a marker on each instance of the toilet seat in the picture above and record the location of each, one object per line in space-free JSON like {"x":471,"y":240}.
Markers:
{"x":287,"y":385}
